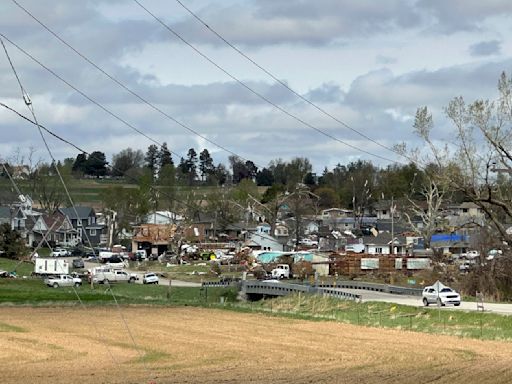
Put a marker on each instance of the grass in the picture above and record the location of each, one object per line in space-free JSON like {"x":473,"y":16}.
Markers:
{"x":22,"y":269}
{"x":191,"y":272}
{"x":486,"y":326}
{"x":33,"y":291}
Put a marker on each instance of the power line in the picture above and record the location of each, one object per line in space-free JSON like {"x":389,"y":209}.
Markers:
{"x":93,"y":101}
{"x":126,"y":88}
{"x":30,"y":107}
{"x":60,"y":138}
{"x":284,"y":84}
{"x":264,"y":98}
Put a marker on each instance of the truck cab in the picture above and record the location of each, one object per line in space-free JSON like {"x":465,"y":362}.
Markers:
{"x":281,"y":271}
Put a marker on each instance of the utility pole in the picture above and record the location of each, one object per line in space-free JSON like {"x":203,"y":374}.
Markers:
{"x":392,"y":211}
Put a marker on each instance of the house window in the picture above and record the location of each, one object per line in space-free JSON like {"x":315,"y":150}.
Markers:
{"x":79,"y":223}
{"x":93,"y":232}
{"x":384,"y":212}
{"x":378,"y":250}
{"x":464,"y":210}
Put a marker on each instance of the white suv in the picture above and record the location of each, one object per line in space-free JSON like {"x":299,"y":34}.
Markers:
{"x":150,"y":278}
{"x":60,"y":252}
{"x":440,"y":295}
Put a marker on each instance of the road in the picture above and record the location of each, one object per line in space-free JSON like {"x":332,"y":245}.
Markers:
{"x":162,"y":281}
{"x":505,"y":309}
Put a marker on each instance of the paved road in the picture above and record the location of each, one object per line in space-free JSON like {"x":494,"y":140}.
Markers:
{"x":162,"y":281}
{"x":505,"y":309}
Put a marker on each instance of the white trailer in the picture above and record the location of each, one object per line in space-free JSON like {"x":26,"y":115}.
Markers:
{"x":51,"y":267}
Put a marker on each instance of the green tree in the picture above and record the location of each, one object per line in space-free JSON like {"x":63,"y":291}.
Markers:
{"x":191,"y":164}
{"x":296,"y":170}
{"x":265,"y":177}
{"x":165,"y":156}
{"x":151,"y":159}
{"x":79,"y":164}
{"x":11,"y":243}
{"x":127,"y":159}
{"x":206,"y":166}
{"x":96,"y":164}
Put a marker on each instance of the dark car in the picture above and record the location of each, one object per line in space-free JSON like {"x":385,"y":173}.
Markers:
{"x":77,"y":251}
{"x":78,"y":263}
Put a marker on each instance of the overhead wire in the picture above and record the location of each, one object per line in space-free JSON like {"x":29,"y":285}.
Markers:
{"x":256,"y":93}
{"x":81,"y":150}
{"x":30,"y":107}
{"x":284,"y":84}
{"x":128,"y":89}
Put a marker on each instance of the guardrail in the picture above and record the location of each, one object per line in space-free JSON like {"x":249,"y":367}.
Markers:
{"x":281,"y":289}
{"x":215,"y":284}
{"x":374,"y":287}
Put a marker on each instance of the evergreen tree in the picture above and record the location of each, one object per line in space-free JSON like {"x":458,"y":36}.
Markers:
{"x":151,"y":159}
{"x":165,"y":157}
{"x":206,"y":166}
{"x":96,"y":164}
{"x":79,"y":164}
{"x":191,"y":163}
{"x":265,"y":177}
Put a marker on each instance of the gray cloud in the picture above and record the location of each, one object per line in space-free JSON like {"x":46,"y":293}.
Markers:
{"x":304,"y":22}
{"x":462,"y":15}
{"x":378,"y":103}
{"x":485,"y":48}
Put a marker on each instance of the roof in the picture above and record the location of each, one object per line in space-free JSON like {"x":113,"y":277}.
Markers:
{"x":83,"y":212}
{"x":382,"y":239}
{"x":466,"y":204}
{"x":154,"y":233}
{"x":56,"y":221}
{"x":5,"y":212}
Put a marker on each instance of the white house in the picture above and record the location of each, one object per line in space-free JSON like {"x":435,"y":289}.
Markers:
{"x":163,"y":217}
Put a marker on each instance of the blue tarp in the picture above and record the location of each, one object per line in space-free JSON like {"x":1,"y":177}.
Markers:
{"x":272,"y":257}
{"x":448,"y":237}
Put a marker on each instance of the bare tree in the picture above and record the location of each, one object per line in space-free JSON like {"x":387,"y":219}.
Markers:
{"x":483,"y":146}
{"x":428,"y":211}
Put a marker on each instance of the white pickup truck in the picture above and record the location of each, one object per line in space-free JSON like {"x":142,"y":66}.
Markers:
{"x":105,"y":275}
{"x":63,"y":281}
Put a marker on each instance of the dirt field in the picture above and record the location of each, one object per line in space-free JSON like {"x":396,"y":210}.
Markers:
{"x":190,"y":345}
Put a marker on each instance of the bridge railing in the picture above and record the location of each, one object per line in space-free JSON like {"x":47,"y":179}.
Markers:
{"x":280,"y":289}
{"x":374,"y":287}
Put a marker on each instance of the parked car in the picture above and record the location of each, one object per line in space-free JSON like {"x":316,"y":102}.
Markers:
{"x":78,"y":263}
{"x":150,"y":278}
{"x":76,"y":252}
{"x":60,"y":252}
{"x":440,"y":294}
{"x":63,"y":281}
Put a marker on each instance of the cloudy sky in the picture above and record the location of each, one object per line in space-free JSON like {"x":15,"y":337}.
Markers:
{"x":369,"y":64}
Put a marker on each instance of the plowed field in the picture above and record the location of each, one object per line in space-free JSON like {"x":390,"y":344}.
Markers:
{"x":191,"y":345}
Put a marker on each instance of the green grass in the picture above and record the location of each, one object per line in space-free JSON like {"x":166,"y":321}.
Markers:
{"x":33,"y":291}
{"x":22,"y":269}
{"x":487,"y":326}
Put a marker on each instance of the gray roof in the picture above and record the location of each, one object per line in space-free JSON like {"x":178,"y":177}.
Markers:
{"x":5,"y":212}
{"x":383,"y":238}
{"x":83,"y":212}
